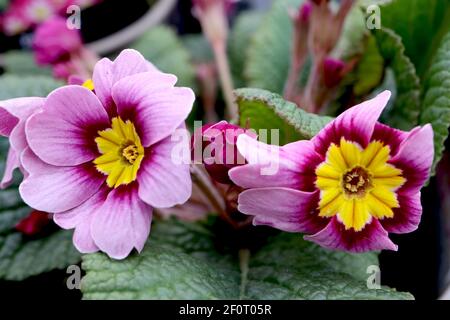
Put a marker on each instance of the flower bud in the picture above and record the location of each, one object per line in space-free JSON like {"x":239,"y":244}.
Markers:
{"x":333,"y":71}
{"x":218,"y":148}
{"x":34,"y":223}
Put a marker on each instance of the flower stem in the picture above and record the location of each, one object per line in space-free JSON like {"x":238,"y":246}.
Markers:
{"x":220,"y":54}
{"x":200,"y":178}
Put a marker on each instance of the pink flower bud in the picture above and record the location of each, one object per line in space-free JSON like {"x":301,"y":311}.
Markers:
{"x":219,"y":150}
{"x":53,"y":42}
{"x":304,"y":12}
{"x":332,"y":71}
{"x":34,"y":223}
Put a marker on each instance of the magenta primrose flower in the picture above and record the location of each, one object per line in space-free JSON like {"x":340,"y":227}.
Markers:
{"x":101,"y":159}
{"x":346,"y":188}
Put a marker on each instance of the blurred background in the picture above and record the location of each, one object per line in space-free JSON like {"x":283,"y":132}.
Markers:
{"x":168,"y":32}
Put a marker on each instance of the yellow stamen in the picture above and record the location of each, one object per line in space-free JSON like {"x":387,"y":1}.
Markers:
{"x":122,"y":153}
{"x":89,"y":84}
{"x":358,"y":184}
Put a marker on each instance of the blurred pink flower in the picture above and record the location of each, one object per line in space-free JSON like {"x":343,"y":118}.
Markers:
{"x":53,"y":42}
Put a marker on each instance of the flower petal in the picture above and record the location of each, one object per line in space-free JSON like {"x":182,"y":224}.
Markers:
{"x":151,"y":102}
{"x":356,"y":124}
{"x":407,"y":217}
{"x":12,"y":163}
{"x":57,"y":189}
{"x":334,"y":236}
{"x":64,"y":133}
{"x":80,"y":218}
{"x":389,"y":136}
{"x":7,"y":122}
{"x":164,"y":177}
{"x":292,"y":165}
{"x":414,"y":158}
{"x":107,"y":73}
{"x":14,"y":110}
{"x":282,"y":208}
{"x":121,"y":223}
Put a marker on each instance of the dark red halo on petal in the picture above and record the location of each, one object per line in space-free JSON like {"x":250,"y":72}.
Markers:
{"x":334,"y":236}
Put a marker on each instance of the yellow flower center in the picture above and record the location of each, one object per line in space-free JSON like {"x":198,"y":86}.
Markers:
{"x":122,"y":153}
{"x":89,"y":84}
{"x":358,"y":185}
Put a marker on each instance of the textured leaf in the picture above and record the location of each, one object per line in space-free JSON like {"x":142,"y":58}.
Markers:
{"x":22,"y":63}
{"x":20,"y":257}
{"x":436,"y":103}
{"x":369,"y":71}
{"x":421,"y":24}
{"x":15,"y":86}
{"x":265,"y":110}
{"x":162,"y":47}
{"x":405,"y":111}
{"x":181,"y":261}
{"x":291,"y":268}
{"x":241,"y":35}
{"x":268,"y":54}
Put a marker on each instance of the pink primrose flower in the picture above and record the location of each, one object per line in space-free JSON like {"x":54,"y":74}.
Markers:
{"x":347,"y":188}
{"x":101,"y":156}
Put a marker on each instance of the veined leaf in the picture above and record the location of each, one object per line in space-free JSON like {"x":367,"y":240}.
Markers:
{"x":262,"y":109}
{"x":181,"y":261}
{"x":404,"y":113}
{"x":436,"y":102}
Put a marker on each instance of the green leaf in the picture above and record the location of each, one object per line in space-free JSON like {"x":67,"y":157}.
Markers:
{"x":22,"y":63}
{"x":242,"y":34}
{"x":268,"y":54}
{"x":21,"y":257}
{"x":181,"y":261}
{"x":421,"y":26}
{"x":404,"y":113}
{"x":436,"y":102}
{"x":198,"y":47}
{"x":162,"y":47}
{"x":265,"y":110}
{"x":369,"y":71}
{"x":16,"y":86}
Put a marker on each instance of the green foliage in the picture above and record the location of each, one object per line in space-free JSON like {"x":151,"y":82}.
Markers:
{"x":162,"y":47}
{"x":436,"y":102}
{"x":22,"y":63}
{"x":15,"y":86}
{"x":421,"y":26}
{"x":242,"y":34}
{"x":405,"y":111}
{"x":369,"y":71}
{"x":268,"y":54}
{"x":265,"y":110}
{"x":181,"y":261}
